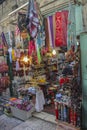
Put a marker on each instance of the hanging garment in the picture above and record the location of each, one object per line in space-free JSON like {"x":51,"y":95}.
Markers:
{"x":10,"y":54}
{"x":61,"y":19}
{"x":17,"y":31}
{"x":3,"y":39}
{"x":50,"y":29}
{"x":40,"y":101}
{"x":71,"y":27}
{"x":46,"y":33}
{"x":17,"y":53}
{"x":31,"y":47}
{"x":54,"y":29}
{"x":38,"y":52}
{"x":13,"y":55}
{"x":32,"y":18}
{"x":18,"y":38}
{"x":17,"y":65}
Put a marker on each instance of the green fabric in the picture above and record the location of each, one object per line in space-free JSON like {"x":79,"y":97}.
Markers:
{"x":28,"y":36}
{"x":71,"y":27}
{"x":38,"y":54}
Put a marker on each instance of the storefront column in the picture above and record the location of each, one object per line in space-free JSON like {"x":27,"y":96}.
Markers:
{"x":79,"y":19}
{"x":83,"y":44}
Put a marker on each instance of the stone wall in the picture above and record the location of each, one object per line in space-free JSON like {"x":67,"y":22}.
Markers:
{"x":5,"y":8}
{"x":8,"y":6}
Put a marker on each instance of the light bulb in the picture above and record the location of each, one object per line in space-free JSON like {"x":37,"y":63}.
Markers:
{"x":54,"y":52}
{"x":25,"y":59}
{"x":77,"y":43}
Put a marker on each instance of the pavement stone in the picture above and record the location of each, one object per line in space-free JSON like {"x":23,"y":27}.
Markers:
{"x":36,"y":124}
{"x":8,"y":123}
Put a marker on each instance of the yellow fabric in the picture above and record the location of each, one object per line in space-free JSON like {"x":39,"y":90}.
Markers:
{"x":13,"y":55}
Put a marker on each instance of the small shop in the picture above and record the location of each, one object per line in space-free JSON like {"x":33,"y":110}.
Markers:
{"x":40,"y":65}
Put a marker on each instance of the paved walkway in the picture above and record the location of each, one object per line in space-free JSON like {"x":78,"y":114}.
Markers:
{"x":9,"y":123}
{"x":35,"y":124}
{"x":40,"y":121}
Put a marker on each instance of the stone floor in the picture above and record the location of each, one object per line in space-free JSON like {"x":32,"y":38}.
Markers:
{"x":35,"y":124}
{"x":9,"y":123}
{"x":39,"y":121}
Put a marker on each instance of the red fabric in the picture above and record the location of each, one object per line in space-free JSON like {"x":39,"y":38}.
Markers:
{"x":31,"y":47}
{"x":62,"y":81}
{"x":61,"y":21}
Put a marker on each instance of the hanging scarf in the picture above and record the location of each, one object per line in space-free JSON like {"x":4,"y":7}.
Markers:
{"x":17,"y":37}
{"x":17,"y":31}
{"x":54,"y":29}
{"x":71,"y":27}
{"x":17,"y":65}
{"x":50,"y":29}
{"x":13,"y":55}
{"x":61,"y":19}
{"x":3,"y":39}
{"x":38,"y":52}
{"x":46,"y":33}
{"x":31,"y":47}
{"x":10,"y":54}
{"x":64,"y":26}
{"x":39,"y":40}
{"x":33,"y":21}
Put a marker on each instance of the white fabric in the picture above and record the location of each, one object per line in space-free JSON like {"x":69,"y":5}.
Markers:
{"x":10,"y":54}
{"x":17,"y":65}
{"x":40,"y":101}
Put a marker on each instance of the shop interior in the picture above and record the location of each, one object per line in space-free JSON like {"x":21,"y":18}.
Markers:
{"x":39,"y":71}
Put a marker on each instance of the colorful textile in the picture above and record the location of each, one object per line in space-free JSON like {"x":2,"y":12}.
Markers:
{"x":40,"y":101}
{"x":31,"y":47}
{"x":13,"y":55}
{"x":32,"y":16}
{"x":17,"y":31}
{"x":46,"y":33}
{"x":3,"y":39}
{"x":50,"y":29}
{"x":38,"y":52}
{"x":54,"y":29}
{"x":61,"y":19}
{"x":17,"y":65}
{"x":10,"y":54}
{"x":71,"y":27}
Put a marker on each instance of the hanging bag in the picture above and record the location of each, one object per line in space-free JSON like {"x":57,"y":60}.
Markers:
{"x":22,"y":21}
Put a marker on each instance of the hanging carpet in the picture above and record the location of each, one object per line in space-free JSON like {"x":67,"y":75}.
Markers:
{"x":61,"y":22}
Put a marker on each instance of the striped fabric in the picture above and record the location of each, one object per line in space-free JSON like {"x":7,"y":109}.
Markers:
{"x":17,"y":31}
